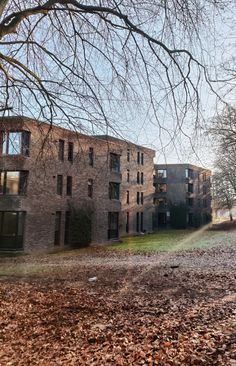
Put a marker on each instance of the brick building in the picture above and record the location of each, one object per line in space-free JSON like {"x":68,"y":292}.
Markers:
{"x":45,"y":170}
{"x":184,"y":185}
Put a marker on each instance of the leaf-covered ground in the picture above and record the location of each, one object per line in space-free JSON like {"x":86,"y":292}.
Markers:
{"x":143,"y":309}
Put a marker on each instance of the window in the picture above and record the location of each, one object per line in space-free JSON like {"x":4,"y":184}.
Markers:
{"x":204,"y":177}
{"x":189,"y":187}
{"x":190,"y":202}
{"x":114,"y":191}
{"x":189,"y":173}
{"x":138,"y":198}
{"x":128,"y":155}
{"x":15,"y":143}
{"x":161,"y":187}
{"x":161,"y":202}
{"x":137,"y":221}
{"x":69,"y":186}
{"x":67,"y":228}
{"x":115,"y":162}
{"x":142,"y":158}
{"x":127,"y":197}
{"x":138,"y":157}
{"x":11,"y":229}
{"x":91,"y":156}
{"x":141,"y":223}
{"x":161,"y":173}
{"x":199,"y":202}
{"x":128,"y":175}
{"x":113,"y":225}
{"x":138,"y":178}
{"x":90,"y":188}
{"x":59,"y":184}
{"x":61,"y":150}
{"x":70,"y":151}
{"x":141,"y":198}
{"x":13,"y":182}
{"x":57,"y":233}
{"x":204,"y":203}
{"x":127,"y":222}
{"x":142,"y":181}
{"x":204,"y":190}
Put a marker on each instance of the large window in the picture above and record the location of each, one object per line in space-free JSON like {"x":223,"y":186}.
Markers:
{"x":161,"y":187}
{"x":11,"y":230}
{"x":161,"y":173}
{"x":113,"y":225}
{"x":189,"y":173}
{"x":114,"y":191}
{"x":13,"y":182}
{"x":15,"y":143}
{"x":115,"y":162}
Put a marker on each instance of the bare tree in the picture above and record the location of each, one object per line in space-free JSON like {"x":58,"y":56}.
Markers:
{"x":69,"y":61}
{"x":224,"y":197}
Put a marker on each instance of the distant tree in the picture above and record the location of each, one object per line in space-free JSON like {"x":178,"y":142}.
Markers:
{"x":69,"y":60}
{"x":224,"y":196}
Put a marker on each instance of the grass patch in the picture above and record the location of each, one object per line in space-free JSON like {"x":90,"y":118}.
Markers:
{"x":170,"y":240}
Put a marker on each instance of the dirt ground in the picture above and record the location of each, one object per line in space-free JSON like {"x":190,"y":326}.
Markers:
{"x":147,"y":309}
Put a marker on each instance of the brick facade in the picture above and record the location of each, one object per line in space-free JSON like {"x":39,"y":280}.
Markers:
{"x":91,"y":165}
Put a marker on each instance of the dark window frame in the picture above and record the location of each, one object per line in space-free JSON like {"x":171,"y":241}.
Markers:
{"x":70,"y":153}
{"x":24,"y":142}
{"x":127,"y":197}
{"x":22,"y":182}
{"x":114,"y":191}
{"x":59,"y":184}
{"x":61,"y":150}
{"x":91,"y":156}
{"x":90,"y":188}
{"x":69,"y":183}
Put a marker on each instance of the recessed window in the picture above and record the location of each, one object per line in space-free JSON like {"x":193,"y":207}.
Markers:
{"x":161,"y":202}
{"x":11,"y":229}
{"x":138,"y":157}
{"x":13,"y":182}
{"x":127,"y":222}
{"x":189,"y":173}
{"x":60,"y":185}
{"x":70,"y":151}
{"x":161,"y":173}
{"x":127,"y":197}
{"x":142,"y":158}
{"x":90,"y":188}
{"x":114,"y":191}
{"x":128,"y":175}
{"x":204,"y":190}
{"x":61,"y":150}
{"x":142,"y":179}
{"x":137,"y":221}
{"x":69,"y":186}
{"x":189,"y":187}
{"x":67,"y":228}
{"x":128,"y":155}
{"x":204,"y":203}
{"x":138,"y":198}
{"x":190,"y":202}
{"x":57,"y":233}
{"x":15,"y":143}
{"x":204,"y":177}
{"x":141,"y":198}
{"x":161,"y":187}
{"x":114,"y":162}
{"x":91,"y":156}
{"x":138,"y":178}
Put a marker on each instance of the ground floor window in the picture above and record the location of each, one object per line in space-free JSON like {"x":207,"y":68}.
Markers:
{"x":113,"y":225}
{"x":67,"y":228}
{"x":57,"y":235}
{"x":11,"y":230}
{"x":127,"y":222}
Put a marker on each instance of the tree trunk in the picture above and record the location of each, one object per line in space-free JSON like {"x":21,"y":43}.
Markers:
{"x":231,"y":216}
